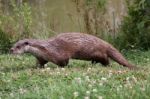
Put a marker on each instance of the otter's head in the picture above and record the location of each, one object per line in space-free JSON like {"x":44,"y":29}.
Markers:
{"x":20,"y":47}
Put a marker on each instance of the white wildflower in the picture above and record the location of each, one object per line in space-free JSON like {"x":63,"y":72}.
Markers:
{"x":120,"y":86}
{"x":87,"y":78}
{"x":134,"y":79}
{"x":147,"y":59}
{"x":76,"y":94}
{"x":100,"y":97}
{"x":90,"y":86}
{"x":63,"y":69}
{"x":66,"y":74}
{"x":58,"y":72}
{"x":94,"y":90}
{"x":48,"y":68}
{"x":22,"y":91}
{"x":84,"y":74}
{"x":45,"y":65}
{"x":61,"y":97}
{"x":142,"y":88}
{"x":88,"y":93}
{"x":93,"y":82}
{"x":127,"y":79}
{"x":88,"y":69}
{"x":86,"y":97}
{"x":8,"y":80}
{"x":119,"y":71}
{"x":11,"y":94}
{"x":110,"y":74}
{"x":100,"y":84}
{"x":103,"y":79}
{"x":43,"y":70}
{"x":78,"y":80}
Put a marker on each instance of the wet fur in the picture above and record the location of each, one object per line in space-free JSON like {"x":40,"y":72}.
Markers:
{"x":59,"y":49}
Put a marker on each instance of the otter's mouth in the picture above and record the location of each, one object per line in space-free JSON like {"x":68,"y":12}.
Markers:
{"x":14,"y":52}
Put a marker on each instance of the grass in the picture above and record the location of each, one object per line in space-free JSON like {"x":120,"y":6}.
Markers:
{"x":79,"y":80}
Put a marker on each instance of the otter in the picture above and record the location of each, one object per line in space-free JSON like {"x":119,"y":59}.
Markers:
{"x":64,"y":46}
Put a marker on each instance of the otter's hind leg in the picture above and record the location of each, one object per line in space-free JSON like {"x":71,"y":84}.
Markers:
{"x":104,"y":62}
{"x":41,"y":62}
{"x":63,"y":63}
{"x":103,"y":59}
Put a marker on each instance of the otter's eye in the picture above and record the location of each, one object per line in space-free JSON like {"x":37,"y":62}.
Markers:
{"x":18,"y":47}
{"x":26,"y":43}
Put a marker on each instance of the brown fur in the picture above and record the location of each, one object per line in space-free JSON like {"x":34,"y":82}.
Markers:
{"x":59,"y":49}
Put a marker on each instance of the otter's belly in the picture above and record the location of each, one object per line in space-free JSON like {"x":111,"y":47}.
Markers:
{"x":83,"y":55}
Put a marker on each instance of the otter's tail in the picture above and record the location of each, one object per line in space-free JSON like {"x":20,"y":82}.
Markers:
{"x":118,"y":57}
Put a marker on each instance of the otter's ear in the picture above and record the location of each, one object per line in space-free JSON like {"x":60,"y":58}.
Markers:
{"x":26,"y":43}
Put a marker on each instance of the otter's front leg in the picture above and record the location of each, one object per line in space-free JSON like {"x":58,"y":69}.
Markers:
{"x":41,"y":62}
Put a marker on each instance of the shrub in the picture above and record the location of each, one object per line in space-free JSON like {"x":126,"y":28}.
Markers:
{"x":14,"y":25}
{"x":5,"y":42}
{"x":22,"y":16}
{"x":136,"y":26}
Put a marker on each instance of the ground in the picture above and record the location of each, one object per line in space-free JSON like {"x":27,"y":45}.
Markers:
{"x":19,"y":79}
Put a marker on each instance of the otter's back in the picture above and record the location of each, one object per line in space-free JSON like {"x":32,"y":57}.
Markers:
{"x":82,"y":39}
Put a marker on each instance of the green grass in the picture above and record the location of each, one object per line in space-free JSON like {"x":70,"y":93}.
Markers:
{"x":79,"y":80}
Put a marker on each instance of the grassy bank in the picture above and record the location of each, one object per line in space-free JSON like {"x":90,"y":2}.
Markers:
{"x":79,"y":80}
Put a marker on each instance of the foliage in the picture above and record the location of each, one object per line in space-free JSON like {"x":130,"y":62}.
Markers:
{"x":81,"y":80}
{"x":98,"y":3}
{"x":92,"y":12}
{"x":15,"y":25}
{"x":136,"y":26}
{"x":5,"y":42}
{"x":22,"y":14}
